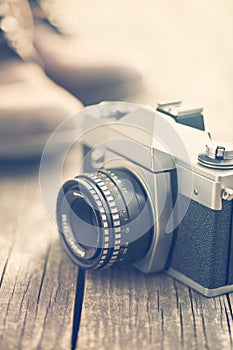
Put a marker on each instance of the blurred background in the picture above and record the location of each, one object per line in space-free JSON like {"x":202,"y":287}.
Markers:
{"x":183,"y":48}
{"x":142,"y":51}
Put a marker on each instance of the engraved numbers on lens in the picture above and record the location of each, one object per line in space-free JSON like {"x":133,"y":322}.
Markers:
{"x":115,"y":203}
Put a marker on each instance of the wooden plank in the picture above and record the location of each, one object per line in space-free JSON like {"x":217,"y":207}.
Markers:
{"x":37,"y":283}
{"x":130,"y":310}
{"x":122,"y":306}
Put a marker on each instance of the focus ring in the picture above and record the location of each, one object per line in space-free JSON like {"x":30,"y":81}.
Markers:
{"x":116,"y":206}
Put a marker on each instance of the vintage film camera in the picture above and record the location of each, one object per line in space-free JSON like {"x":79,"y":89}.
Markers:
{"x":155,"y":192}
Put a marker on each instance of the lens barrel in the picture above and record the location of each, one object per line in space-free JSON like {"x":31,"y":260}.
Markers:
{"x":105,"y":218}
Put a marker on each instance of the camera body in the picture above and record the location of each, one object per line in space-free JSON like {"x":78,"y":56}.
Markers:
{"x":187,"y":180}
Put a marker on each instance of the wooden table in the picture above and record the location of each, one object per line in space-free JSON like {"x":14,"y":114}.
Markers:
{"x":122,"y":308}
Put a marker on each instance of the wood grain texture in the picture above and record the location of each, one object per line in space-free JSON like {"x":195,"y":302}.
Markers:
{"x":122,"y":307}
{"x":125,"y":309}
{"x":37,"y":281}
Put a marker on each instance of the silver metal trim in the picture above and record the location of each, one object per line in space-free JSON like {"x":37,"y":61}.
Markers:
{"x":203,"y":191}
{"x":199,"y":288}
{"x":227,"y":194}
{"x":178,"y":108}
{"x":156,"y":258}
{"x":219,"y":150}
{"x":138,"y":126}
{"x":214,"y":163}
{"x":217,"y":155}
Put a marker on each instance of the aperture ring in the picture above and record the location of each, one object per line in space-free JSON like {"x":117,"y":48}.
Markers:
{"x":118,"y":213}
{"x":123,"y":214}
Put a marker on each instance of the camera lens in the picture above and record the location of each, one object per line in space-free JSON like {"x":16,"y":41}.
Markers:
{"x":105,"y":218}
